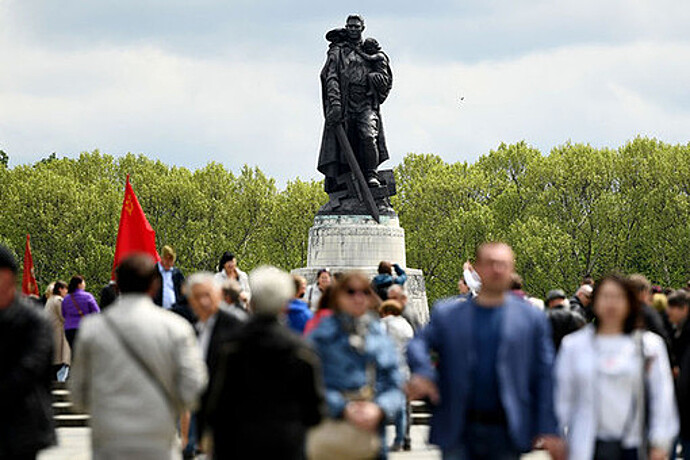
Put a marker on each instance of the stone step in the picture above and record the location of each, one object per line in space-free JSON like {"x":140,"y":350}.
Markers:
{"x":59,"y":385}
{"x":60,"y":395}
{"x":420,"y":407}
{"x":72,"y":420}
{"x":420,"y":419}
{"x":63,"y":408}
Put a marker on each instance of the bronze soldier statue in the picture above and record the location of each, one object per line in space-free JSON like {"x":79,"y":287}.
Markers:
{"x":355,"y":81}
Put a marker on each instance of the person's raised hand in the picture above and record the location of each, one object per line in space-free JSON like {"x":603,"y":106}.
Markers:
{"x":657,"y":454}
{"x":421,"y":387}
{"x":554,"y":445}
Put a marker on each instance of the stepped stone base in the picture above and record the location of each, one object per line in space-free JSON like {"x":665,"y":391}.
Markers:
{"x":357,"y":242}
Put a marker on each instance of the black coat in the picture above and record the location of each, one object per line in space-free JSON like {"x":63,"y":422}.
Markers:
{"x":26,"y":355}
{"x":683,"y":393}
{"x":224,"y":329}
{"x":178,"y":281}
{"x":266,"y":392}
{"x":563,"y":322}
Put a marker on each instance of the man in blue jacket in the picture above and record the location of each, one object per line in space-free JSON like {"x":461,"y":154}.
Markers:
{"x":492,"y":387}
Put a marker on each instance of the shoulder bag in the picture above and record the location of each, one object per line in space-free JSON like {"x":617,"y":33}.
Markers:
{"x":341,"y":440}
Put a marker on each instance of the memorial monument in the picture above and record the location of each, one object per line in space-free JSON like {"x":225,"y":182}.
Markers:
{"x":357,"y":228}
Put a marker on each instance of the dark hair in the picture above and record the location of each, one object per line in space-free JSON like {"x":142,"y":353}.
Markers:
{"x":385,"y":268}
{"x":74,"y":283}
{"x":321,"y":271}
{"x":225,"y":258}
{"x":7,"y":260}
{"x":632,"y":320}
{"x":136,"y":273}
{"x":353,"y":17}
{"x":59,"y":285}
{"x":326,"y":299}
{"x":679,"y":298}
{"x":515,"y":282}
{"x":344,"y":282}
{"x":587,"y":279}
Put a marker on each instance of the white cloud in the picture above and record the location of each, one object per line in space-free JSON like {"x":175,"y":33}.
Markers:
{"x":259,"y":107}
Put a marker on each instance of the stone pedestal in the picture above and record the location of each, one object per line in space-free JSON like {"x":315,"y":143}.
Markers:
{"x":357,"y":242}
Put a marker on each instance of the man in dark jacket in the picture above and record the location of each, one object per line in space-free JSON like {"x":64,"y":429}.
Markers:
{"x":678,"y":307}
{"x":563,"y":321}
{"x":215,"y":327}
{"x":652,"y":319}
{"x":492,"y":387}
{"x":267,"y":390}
{"x":172,"y":279}
{"x":581,"y":302}
{"x":26,"y":353}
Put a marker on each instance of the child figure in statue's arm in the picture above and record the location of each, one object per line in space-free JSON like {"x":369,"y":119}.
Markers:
{"x":378,"y":63}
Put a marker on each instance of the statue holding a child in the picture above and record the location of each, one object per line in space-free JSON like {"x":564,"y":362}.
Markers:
{"x":355,"y":81}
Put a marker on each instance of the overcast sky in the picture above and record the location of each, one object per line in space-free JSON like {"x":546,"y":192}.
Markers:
{"x":236,"y":82}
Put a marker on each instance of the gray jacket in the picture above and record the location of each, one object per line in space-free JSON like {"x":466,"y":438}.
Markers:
{"x":127,"y":410}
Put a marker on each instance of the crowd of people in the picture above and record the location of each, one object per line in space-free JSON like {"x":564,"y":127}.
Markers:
{"x":265,"y":365}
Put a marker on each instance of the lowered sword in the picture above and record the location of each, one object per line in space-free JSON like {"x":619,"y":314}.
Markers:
{"x":360,"y":184}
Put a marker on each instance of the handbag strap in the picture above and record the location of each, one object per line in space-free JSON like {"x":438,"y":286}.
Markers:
{"x":148,"y":372}
{"x":642,"y":392}
{"x":81,"y":313}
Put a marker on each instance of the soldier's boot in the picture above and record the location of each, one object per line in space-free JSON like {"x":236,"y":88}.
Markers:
{"x":370,"y":163}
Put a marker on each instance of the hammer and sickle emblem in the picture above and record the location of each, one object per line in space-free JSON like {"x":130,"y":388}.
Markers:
{"x":129,"y":206}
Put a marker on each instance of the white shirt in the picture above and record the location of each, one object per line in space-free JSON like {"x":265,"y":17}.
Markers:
{"x":205,"y":330}
{"x":400,"y":331}
{"x":168,"y":287}
{"x":617,"y":383}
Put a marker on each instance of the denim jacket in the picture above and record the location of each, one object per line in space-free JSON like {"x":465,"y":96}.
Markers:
{"x":345,"y":367}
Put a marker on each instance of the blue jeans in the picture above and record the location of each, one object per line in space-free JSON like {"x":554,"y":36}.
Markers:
{"x":401,"y":422}
{"x":490,"y":442}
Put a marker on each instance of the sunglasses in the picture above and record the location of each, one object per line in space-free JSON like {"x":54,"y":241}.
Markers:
{"x":352,"y":292}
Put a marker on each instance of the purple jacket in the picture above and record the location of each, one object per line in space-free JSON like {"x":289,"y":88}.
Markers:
{"x":86,"y":303}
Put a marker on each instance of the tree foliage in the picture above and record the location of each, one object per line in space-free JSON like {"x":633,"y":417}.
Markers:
{"x":574,"y":211}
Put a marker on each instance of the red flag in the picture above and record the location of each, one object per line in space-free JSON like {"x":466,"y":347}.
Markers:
{"x":29,"y":285}
{"x":135,"y":233}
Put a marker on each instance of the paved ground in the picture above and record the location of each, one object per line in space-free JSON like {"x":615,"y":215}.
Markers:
{"x":74,"y":444}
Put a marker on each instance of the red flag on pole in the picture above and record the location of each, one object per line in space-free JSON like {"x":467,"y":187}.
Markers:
{"x":29,"y":285}
{"x":135,"y":233}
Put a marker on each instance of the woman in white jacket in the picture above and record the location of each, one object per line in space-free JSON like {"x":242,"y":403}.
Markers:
{"x":600,"y":393}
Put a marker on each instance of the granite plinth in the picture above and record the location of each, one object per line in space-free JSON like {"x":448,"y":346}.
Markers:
{"x":355,"y":241}
{"x":415,"y":287}
{"x":343,"y":243}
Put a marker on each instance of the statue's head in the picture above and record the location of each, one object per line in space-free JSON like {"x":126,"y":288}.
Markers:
{"x":354,"y":26}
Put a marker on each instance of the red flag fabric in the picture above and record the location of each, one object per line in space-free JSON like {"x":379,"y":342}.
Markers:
{"x":29,"y":285}
{"x":135,"y":234}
